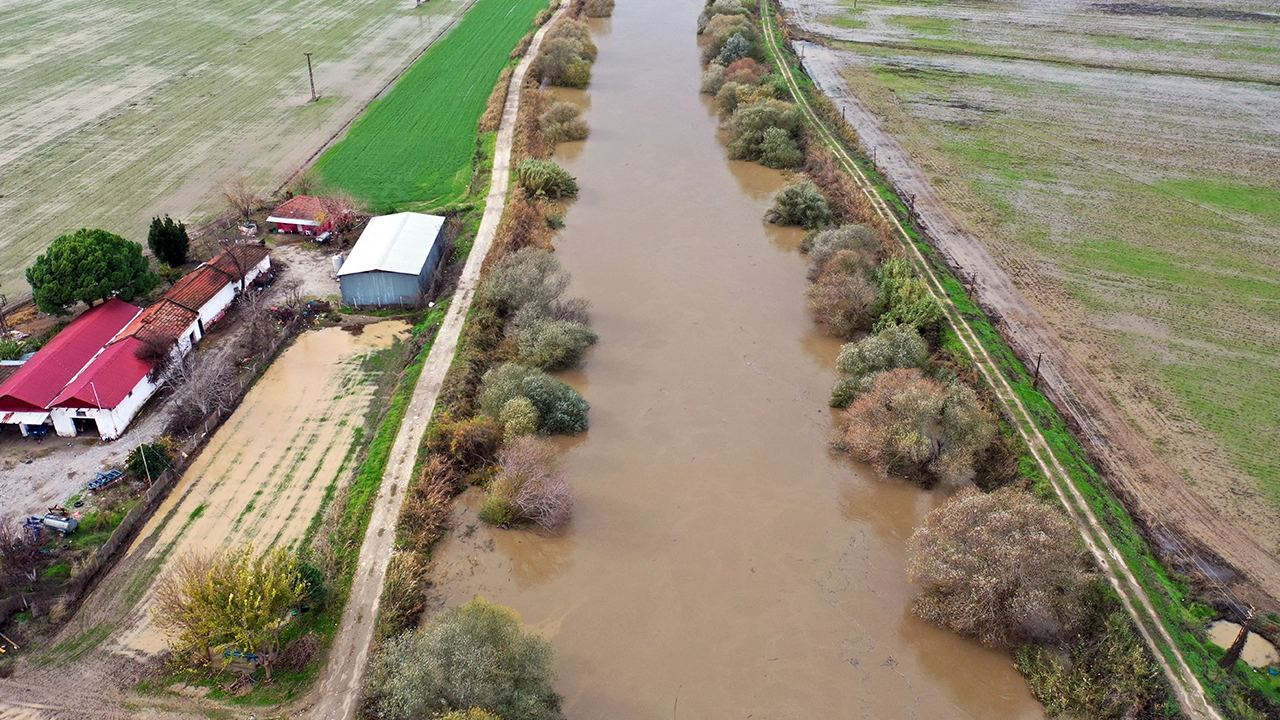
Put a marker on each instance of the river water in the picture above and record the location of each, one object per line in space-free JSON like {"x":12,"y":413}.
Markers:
{"x":722,"y":562}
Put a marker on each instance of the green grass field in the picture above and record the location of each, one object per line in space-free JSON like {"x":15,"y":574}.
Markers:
{"x":416,"y":144}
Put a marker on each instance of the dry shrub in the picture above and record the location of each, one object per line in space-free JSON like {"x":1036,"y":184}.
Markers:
{"x":848,"y":203}
{"x":529,"y":139}
{"x":299,"y":652}
{"x":529,"y":277}
{"x":426,"y":511}
{"x":562,"y":122}
{"x":537,"y":488}
{"x":492,"y":116}
{"x":598,"y":8}
{"x":524,"y":225}
{"x":842,"y":301}
{"x":906,"y":423}
{"x":240,"y":196}
{"x":722,"y":28}
{"x":468,"y":444}
{"x":478,"y":349}
{"x":822,"y":246}
{"x":744,"y":72}
{"x":712,"y":80}
{"x":522,"y":47}
{"x":1002,"y":567}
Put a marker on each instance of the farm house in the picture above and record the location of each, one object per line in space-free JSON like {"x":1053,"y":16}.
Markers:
{"x":393,"y":261}
{"x":97,"y":372}
{"x":309,"y":214}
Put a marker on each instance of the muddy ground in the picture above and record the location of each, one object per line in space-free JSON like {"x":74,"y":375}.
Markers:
{"x":1076,"y":194}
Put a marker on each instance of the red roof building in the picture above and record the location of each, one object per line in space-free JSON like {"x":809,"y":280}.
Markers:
{"x":238,"y":261}
{"x":306,"y":213}
{"x":36,"y":384}
{"x":109,"y":379}
{"x":161,"y":326}
{"x":198,"y":287}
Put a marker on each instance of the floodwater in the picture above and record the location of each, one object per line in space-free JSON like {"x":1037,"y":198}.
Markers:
{"x":1257,"y":653}
{"x":722,"y":563}
{"x":262,"y":477}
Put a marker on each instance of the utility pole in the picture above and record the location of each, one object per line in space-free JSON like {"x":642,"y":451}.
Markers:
{"x":1035,"y":384}
{"x":312,"y":77}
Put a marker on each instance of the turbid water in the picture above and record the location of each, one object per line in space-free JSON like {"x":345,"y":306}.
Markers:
{"x":722,"y":562}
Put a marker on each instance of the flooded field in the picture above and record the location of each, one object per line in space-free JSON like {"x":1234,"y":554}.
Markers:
{"x":262,"y":477}
{"x":722,"y":563}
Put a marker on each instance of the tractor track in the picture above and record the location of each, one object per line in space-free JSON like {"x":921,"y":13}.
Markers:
{"x":1187,"y":688}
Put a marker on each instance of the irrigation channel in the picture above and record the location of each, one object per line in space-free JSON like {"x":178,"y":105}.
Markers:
{"x":722,"y":563}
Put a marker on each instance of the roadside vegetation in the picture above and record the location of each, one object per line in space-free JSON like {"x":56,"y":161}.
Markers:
{"x":500,"y":401}
{"x":912,"y":406}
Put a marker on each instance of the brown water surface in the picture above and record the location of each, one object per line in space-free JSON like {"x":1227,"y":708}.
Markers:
{"x":722,"y":563}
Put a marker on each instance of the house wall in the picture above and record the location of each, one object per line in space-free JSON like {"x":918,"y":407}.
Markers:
{"x":111,"y":422}
{"x":257,"y":270}
{"x":212,"y":311}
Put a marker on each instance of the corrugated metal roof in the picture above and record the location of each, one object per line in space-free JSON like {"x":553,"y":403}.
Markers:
{"x":108,"y":379}
{"x":399,"y":243}
{"x":39,"y":381}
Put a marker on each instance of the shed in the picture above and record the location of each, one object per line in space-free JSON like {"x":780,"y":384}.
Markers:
{"x":309,"y":214}
{"x":393,"y":261}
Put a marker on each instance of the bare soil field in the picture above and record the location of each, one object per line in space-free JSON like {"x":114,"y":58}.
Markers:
{"x":113,"y":112}
{"x":1126,"y":179}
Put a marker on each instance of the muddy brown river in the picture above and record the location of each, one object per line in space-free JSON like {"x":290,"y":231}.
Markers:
{"x":722,"y":562}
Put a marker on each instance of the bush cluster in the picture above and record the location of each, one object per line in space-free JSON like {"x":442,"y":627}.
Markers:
{"x":566,"y":55}
{"x":800,"y":203}
{"x":909,"y":424}
{"x":472,"y":657}
{"x":899,"y":346}
{"x":561,"y":410}
{"x":598,"y":8}
{"x":550,"y":333}
{"x":904,"y":298}
{"x":562,"y":122}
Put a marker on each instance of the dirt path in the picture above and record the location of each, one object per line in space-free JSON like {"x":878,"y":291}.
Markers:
{"x":964,"y":250}
{"x":338,"y":691}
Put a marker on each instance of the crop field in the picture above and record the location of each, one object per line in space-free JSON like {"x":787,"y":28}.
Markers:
{"x":416,"y":144}
{"x":1122,"y":163}
{"x":113,"y":111}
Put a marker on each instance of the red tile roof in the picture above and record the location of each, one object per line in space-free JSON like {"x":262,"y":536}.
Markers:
{"x":108,"y":379}
{"x":307,"y":207}
{"x":39,"y":381}
{"x":160,"y":325}
{"x":198,"y":287}
{"x":237,"y":260}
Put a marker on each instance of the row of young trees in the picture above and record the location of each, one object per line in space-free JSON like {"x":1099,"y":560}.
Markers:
{"x":1004,"y":566}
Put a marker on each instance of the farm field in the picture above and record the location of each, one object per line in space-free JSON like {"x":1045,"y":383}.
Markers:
{"x":416,"y":144}
{"x":112,"y":112}
{"x":1122,"y":163}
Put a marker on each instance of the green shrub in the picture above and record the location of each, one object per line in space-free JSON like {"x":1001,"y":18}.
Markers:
{"x":1002,"y":567}
{"x":472,"y":656}
{"x":577,"y":74}
{"x":546,"y":179}
{"x":527,"y":277}
{"x":1110,"y":677}
{"x":11,"y":349}
{"x":727,"y":97}
{"x":904,"y":298}
{"x":497,"y":508}
{"x":735,"y":48}
{"x":469,"y":714}
{"x":561,"y":410}
{"x":779,"y":151}
{"x":168,"y":241}
{"x":554,"y":344}
{"x":150,"y":461}
{"x":722,"y":28}
{"x":750,"y":122}
{"x":822,"y":246}
{"x":800,"y":203}
{"x":562,"y":122}
{"x":563,"y":62}
{"x":518,"y":418}
{"x":898,"y":346}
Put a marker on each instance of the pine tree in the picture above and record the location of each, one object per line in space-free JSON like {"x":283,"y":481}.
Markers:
{"x":168,"y":241}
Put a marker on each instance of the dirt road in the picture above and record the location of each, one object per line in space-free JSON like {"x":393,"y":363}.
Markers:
{"x":338,"y":691}
{"x":1186,"y":687}
{"x":1153,"y":489}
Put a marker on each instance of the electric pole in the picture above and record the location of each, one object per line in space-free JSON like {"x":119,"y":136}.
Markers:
{"x":312,"y":77}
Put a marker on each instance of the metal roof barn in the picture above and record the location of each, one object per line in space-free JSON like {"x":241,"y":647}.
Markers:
{"x":393,"y":261}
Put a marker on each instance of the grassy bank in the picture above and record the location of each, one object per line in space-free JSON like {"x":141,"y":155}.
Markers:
{"x":417,"y":144}
{"x":1239,"y":691}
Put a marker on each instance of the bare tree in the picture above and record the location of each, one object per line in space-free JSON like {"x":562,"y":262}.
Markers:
{"x":240,"y":196}
{"x":203,"y":383}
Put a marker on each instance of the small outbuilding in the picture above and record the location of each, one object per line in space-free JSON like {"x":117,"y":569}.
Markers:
{"x":310,"y":215}
{"x":393,"y":261}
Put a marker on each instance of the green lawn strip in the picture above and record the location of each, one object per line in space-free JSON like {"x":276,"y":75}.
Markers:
{"x":417,"y":144}
{"x":1169,"y":592}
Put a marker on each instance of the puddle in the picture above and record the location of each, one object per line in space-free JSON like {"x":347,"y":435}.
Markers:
{"x":1257,"y":653}
{"x":263,"y":475}
{"x":722,"y":563}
